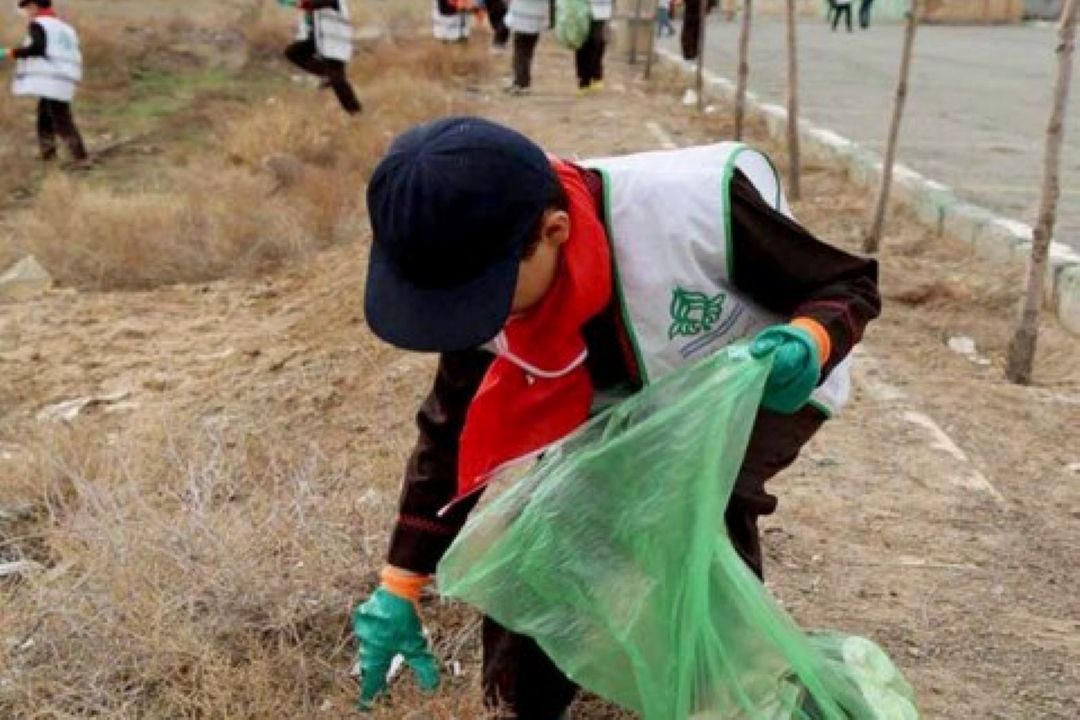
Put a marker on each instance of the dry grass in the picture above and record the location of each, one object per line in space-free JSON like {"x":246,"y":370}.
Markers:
{"x":227,"y":212}
{"x":208,"y":224}
{"x":265,"y":35}
{"x":206,"y":568}
{"x":201,"y":569}
{"x":8,"y":113}
{"x":195,"y":573}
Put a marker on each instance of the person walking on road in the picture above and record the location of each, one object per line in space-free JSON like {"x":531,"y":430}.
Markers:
{"x":690,"y":35}
{"x":664,"y":28}
{"x":864,"y":13}
{"x":843,"y":9}
{"x":49,"y":67}
{"x":830,"y":11}
{"x":695,"y":12}
{"x":324,"y":46}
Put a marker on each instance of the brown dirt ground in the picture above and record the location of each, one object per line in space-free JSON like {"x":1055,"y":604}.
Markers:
{"x":877,"y":532}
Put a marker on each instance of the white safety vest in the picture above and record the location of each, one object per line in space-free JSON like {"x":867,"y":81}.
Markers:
{"x":332,"y":30}
{"x":668,"y":215}
{"x":601,"y":9}
{"x":56,"y":75}
{"x":528,"y":16}
{"x":450,"y":28}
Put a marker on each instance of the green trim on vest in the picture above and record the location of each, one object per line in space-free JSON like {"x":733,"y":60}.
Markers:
{"x":643,"y":371}
{"x":729,"y":172}
{"x":821,"y":408}
{"x":779,"y":187}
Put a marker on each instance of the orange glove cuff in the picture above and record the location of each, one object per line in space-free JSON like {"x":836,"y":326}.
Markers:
{"x":819,"y":333}
{"x":405,"y":585}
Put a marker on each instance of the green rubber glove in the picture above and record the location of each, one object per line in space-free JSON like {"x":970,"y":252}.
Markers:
{"x":796,"y":367}
{"x":386,"y":626}
{"x":3,"y":53}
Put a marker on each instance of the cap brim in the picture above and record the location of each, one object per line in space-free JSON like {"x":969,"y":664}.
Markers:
{"x":438,"y":319}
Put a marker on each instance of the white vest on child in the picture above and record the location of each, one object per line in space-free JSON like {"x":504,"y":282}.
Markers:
{"x":332,"y":30}
{"x":450,"y":28}
{"x":56,"y":75}
{"x":601,"y":9}
{"x":528,"y":16}
{"x":668,"y":214}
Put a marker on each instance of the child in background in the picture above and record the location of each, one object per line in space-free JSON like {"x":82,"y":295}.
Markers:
{"x":664,"y":28}
{"x":452,"y":20}
{"x":49,"y":67}
{"x":324,"y":46}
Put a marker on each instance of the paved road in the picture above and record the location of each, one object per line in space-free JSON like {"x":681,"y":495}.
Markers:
{"x":977,"y":107}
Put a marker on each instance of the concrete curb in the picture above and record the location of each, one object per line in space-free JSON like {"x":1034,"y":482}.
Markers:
{"x":990,"y":236}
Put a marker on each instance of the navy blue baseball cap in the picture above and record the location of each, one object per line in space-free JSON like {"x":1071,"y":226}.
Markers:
{"x":453,"y":206}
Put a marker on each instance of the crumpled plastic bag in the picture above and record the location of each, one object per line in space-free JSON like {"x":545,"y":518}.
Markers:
{"x":611,"y":552}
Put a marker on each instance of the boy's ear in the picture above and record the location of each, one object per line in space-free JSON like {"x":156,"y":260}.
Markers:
{"x":556,"y":228}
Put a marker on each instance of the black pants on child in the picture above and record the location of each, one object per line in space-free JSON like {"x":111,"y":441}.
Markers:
{"x":691,"y":29}
{"x":303,"y":55}
{"x":54,"y":119}
{"x":524,"y":49}
{"x":845,"y":11}
{"x":496,"y":10}
{"x":589,"y":58}
{"x":519,"y":678}
{"x":864,"y":14}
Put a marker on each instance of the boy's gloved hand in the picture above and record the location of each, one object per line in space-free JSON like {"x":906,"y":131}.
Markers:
{"x":3,"y":53}
{"x":388,"y":625}
{"x":797,"y":359}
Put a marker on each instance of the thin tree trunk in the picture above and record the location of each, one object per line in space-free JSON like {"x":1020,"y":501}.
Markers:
{"x":794,"y":166}
{"x":635,"y":30}
{"x":701,"y":55}
{"x":744,"y":68}
{"x":651,"y":48}
{"x":873,"y":238}
{"x":1021,"y":352}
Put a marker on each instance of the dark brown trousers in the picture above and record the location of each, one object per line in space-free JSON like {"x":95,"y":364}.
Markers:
{"x":589,"y":58}
{"x":54,"y":119}
{"x":520,"y":678}
{"x":691,"y":29}
{"x":524,"y":49}
{"x":496,"y":10}
{"x":304,"y":55}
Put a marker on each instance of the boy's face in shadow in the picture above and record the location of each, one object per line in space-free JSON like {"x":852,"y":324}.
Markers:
{"x":536,"y":273}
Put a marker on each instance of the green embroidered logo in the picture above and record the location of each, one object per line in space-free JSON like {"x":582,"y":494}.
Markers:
{"x":693,"y":313}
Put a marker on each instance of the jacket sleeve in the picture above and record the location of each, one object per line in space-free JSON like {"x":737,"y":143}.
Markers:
{"x":420,"y":536}
{"x":37,"y":46}
{"x":784,"y":268}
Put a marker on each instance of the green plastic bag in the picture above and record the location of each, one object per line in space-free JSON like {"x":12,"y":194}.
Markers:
{"x":572,"y":21}
{"x":611,"y":553}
